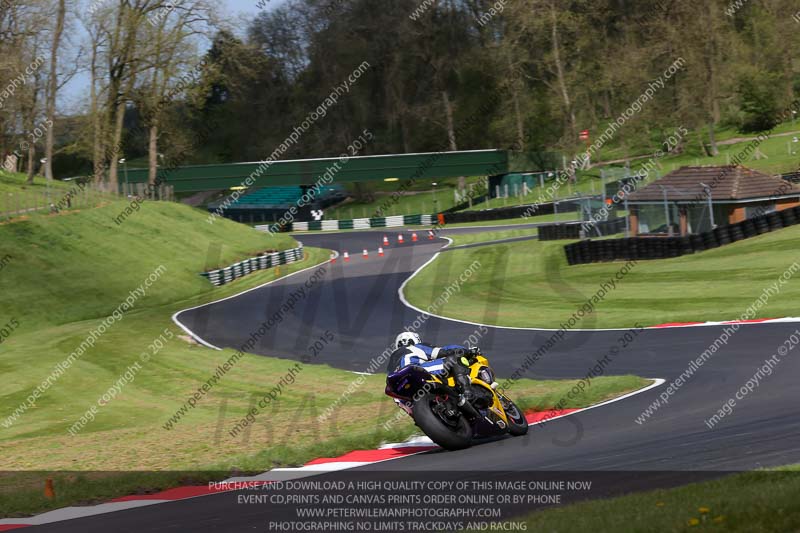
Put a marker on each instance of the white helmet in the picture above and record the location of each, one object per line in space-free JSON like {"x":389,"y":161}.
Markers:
{"x":407,"y":338}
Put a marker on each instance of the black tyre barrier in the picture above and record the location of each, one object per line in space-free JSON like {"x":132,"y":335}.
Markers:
{"x":581,"y":252}
{"x":736,"y":232}
{"x":667,"y":247}
{"x":788,"y":217}
{"x":774,"y":221}
{"x":685,"y":246}
{"x":607,"y":250}
{"x":615,"y":249}
{"x":697,"y":243}
{"x":676,"y":248}
{"x":749,"y":228}
{"x":762,"y":226}
{"x":710,"y":240}
{"x":589,"y":251}
{"x":655,"y":249}
{"x":632,"y":248}
{"x":570,"y":253}
{"x":552,"y":232}
{"x":722,"y":235}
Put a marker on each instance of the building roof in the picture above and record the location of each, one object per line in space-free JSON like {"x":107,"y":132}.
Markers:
{"x":728,"y":182}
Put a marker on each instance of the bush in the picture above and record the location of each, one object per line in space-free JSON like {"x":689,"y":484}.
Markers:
{"x":760,"y":102}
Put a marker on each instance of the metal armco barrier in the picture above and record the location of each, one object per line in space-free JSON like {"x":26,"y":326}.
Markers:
{"x":357,"y":223}
{"x":248,"y":266}
{"x":590,"y":251}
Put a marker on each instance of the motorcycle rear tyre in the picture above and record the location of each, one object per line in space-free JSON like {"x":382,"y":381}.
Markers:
{"x":437,"y":430}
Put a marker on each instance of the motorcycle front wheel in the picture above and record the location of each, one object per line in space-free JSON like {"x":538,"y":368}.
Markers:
{"x":517,"y":423}
{"x":449,"y":432}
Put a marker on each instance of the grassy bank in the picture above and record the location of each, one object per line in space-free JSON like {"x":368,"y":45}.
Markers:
{"x":13,"y":182}
{"x":66,"y":273}
{"x":750,"y":502}
{"x":535,"y":287}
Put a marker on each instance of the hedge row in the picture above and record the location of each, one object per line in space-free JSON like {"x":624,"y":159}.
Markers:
{"x":590,"y":251}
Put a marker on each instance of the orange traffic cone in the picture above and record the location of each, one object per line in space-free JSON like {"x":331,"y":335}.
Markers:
{"x":430,"y":235}
{"x":380,"y":252}
{"x":346,"y":257}
{"x":385,"y":240}
{"x":333,"y":257}
{"x":400,"y":238}
{"x":49,"y":491}
{"x":365,"y":254}
{"x":414,"y":237}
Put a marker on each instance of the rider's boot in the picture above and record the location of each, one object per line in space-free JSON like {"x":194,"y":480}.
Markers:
{"x":460,"y":373}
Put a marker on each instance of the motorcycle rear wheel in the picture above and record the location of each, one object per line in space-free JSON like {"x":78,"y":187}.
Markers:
{"x":450,"y":435}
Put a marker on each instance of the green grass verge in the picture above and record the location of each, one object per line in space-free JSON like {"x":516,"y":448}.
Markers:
{"x":751,"y":502}
{"x":533,"y":286}
{"x":473,"y":238}
{"x":68,"y":272}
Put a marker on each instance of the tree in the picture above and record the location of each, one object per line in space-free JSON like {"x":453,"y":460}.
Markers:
{"x":52,"y":87}
{"x":94,"y":24}
{"x":169,"y":31}
{"x":124,"y":56}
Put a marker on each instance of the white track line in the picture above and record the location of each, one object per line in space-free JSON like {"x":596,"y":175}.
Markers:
{"x":657,"y":382}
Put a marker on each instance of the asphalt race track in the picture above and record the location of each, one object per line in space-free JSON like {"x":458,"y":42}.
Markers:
{"x":358,"y":302}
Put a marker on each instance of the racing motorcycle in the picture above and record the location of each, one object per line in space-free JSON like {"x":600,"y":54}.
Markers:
{"x":433,"y":403}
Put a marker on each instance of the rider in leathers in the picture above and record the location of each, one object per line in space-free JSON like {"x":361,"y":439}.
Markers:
{"x":449,"y":360}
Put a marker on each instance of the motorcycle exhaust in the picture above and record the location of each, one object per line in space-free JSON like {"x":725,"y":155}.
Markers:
{"x":467,"y":408}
